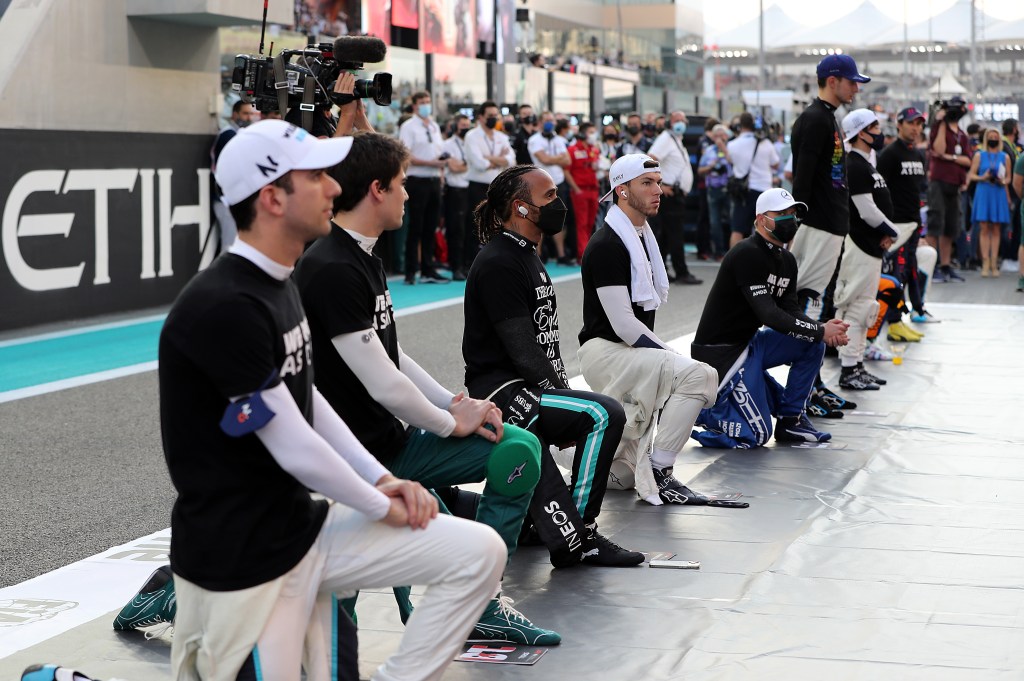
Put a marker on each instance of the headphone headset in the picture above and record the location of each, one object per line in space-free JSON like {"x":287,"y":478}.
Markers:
{"x":623,"y":195}
{"x":523,"y":211}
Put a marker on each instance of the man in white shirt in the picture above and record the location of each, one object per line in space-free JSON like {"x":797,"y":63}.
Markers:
{"x":753,"y":158}
{"x":488,"y":152}
{"x":422,"y":137}
{"x":676,"y":183}
{"x":456,"y":195}
{"x":549,"y":152}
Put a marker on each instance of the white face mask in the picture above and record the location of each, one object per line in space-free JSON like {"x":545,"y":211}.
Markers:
{"x":591,"y":138}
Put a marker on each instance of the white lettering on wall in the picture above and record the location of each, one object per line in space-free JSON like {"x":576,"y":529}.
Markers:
{"x":101,"y":182}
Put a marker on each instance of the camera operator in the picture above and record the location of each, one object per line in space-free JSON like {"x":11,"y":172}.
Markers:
{"x":949,"y":153}
{"x":351,"y":116}
{"x":716,"y":169}
{"x":521,"y":140}
{"x":421,"y":135}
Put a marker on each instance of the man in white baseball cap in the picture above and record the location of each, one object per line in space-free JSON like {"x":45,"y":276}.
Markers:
{"x":872,"y":232}
{"x":756,"y":287}
{"x":624,"y":283}
{"x":246,"y":436}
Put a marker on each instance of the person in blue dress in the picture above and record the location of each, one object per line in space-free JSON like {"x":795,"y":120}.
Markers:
{"x":990,"y":169}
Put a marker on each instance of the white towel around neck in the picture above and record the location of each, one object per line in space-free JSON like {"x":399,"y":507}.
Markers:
{"x":648,"y":279}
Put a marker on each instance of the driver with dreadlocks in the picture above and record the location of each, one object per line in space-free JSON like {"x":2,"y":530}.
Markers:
{"x":511,"y":349}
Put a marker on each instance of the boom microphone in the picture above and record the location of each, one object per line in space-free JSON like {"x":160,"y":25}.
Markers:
{"x":359,"y":49}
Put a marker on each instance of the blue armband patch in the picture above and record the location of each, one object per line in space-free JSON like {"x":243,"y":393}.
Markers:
{"x":248,"y":414}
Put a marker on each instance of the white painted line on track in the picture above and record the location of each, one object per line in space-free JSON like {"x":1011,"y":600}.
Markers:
{"x":60,"y":600}
{"x":448,"y":302}
{"x":75,"y":382}
{"x":79,"y":330}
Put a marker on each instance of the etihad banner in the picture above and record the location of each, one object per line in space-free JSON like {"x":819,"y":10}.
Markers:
{"x":94,"y":223}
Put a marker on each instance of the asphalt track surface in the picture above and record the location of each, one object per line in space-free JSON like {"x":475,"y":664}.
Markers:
{"x":83,"y":471}
{"x":84,"y":467}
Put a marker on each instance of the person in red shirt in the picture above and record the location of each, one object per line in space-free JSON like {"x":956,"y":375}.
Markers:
{"x":584,"y":155}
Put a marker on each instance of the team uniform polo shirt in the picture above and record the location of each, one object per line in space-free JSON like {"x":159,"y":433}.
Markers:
{"x":606,"y":263}
{"x":508,"y":281}
{"x":239,"y":519}
{"x":755,"y":287}
{"x":456,"y":148}
{"x":902,"y":166}
{"x":345,"y":290}
{"x":423,"y":140}
{"x":552,"y":146}
{"x":865,"y":179}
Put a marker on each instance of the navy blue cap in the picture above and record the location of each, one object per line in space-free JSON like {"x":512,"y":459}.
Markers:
{"x":909,"y":114}
{"x":841,"y":66}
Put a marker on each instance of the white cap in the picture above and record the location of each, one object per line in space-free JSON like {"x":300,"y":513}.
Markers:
{"x":776,"y":200}
{"x":858,"y":120}
{"x":264,"y":151}
{"x":628,"y":167}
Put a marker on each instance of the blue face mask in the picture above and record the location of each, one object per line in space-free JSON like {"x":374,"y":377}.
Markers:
{"x":549,"y":126}
{"x":679,"y":127}
{"x":424,"y":110}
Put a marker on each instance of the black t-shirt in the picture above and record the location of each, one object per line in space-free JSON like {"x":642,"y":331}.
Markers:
{"x":345,"y":290}
{"x":819,"y":168}
{"x":520,"y":145}
{"x":755,"y":287}
{"x":606,"y":263}
{"x":507,"y":281}
{"x":865,"y":179}
{"x":239,"y":520}
{"x":902,"y":166}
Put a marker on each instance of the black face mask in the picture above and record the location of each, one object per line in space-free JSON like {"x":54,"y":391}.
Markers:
{"x":785,"y":227}
{"x":633,"y":129}
{"x":491,"y":122}
{"x":611,"y":138}
{"x":877,"y":140}
{"x":551,"y":218}
{"x":462,"y":132}
{"x":992,"y":144}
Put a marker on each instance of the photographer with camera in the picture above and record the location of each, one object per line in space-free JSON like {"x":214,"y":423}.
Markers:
{"x":716,"y":169}
{"x":421,"y":135}
{"x":949,"y":155}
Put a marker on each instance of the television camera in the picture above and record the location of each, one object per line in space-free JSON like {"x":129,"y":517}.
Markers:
{"x":305,"y":78}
